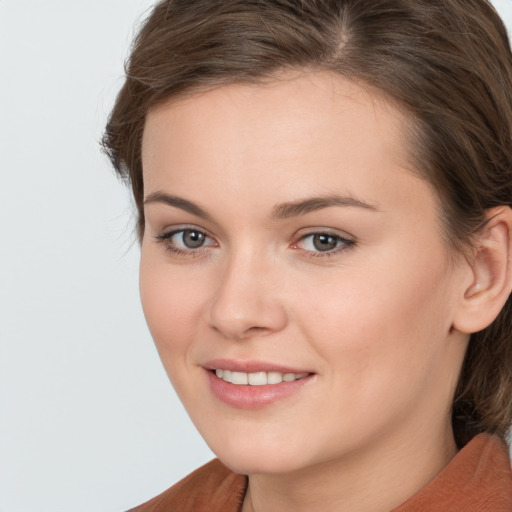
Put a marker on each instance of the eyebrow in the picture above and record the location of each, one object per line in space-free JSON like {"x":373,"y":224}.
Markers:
{"x":304,"y":206}
{"x":178,"y":202}
{"x":279,"y":212}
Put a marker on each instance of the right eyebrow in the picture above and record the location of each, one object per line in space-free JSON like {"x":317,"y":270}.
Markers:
{"x":177,"y":202}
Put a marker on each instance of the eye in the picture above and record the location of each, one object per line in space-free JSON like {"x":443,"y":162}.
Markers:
{"x":323,"y":242}
{"x":188,"y":239}
{"x":185,"y":240}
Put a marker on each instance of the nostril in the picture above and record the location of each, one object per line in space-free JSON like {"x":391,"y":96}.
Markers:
{"x":256,"y":329}
{"x":240,"y":310}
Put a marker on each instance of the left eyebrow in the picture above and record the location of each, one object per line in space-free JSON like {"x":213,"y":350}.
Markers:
{"x":304,"y":206}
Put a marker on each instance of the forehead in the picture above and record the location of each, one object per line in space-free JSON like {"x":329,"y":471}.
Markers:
{"x":315,"y":104}
{"x":303,"y":134}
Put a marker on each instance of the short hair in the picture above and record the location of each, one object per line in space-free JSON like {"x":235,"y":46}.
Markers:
{"x":447,"y":63}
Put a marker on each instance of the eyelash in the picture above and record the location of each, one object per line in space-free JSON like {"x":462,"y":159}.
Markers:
{"x":343,"y":244}
{"x":165,"y":239}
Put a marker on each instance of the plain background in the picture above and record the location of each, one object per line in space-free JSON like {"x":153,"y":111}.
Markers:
{"x":88,"y":420}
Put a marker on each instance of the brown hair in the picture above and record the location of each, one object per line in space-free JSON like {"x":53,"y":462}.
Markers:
{"x":446,"y":62}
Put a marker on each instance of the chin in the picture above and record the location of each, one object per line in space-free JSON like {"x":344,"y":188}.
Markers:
{"x":250,"y":455}
{"x":253,"y":464}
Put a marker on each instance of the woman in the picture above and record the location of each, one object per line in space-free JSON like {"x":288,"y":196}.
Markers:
{"x":323,"y":190}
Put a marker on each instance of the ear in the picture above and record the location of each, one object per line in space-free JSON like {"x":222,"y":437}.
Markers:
{"x":491,"y":274}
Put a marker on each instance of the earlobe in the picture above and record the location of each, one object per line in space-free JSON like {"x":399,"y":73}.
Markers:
{"x":491,"y":269}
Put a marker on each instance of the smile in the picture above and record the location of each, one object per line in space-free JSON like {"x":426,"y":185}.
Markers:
{"x":257,"y":378}
{"x":261,"y":385}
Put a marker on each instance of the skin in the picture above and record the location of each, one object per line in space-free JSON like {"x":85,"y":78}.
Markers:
{"x":373,"y":320}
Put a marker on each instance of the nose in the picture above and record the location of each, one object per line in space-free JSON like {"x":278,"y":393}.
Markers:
{"x":247,"y":300}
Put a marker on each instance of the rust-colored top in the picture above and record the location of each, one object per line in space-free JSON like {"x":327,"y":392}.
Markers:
{"x":478,"y":479}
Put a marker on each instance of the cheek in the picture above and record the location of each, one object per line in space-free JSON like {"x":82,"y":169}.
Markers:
{"x":383,"y":327}
{"x":171,"y":306}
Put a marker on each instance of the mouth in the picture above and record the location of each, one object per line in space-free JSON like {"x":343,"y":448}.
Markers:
{"x":254,"y":385}
{"x":257,"y":378}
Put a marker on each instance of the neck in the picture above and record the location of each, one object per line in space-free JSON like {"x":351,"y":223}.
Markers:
{"x":378,"y":479}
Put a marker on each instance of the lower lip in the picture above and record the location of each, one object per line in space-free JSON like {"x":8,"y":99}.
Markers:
{"x":253,"y":397}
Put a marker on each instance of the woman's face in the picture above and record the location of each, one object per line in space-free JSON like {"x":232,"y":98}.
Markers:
{"x":286,"y":238}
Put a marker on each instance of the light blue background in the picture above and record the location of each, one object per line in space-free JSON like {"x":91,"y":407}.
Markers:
{"x":88,"y":420}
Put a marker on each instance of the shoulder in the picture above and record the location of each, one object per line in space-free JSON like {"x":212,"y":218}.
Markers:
{"x":211,"y":488}
{"x":478,"y":479}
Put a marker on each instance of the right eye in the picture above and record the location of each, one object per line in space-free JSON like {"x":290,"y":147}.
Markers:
{"x":185,"y":241}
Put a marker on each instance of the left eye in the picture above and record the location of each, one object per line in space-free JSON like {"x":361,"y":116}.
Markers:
{"x":322,"y":242}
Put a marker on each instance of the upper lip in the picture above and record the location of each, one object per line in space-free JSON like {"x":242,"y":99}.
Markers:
{"x":250,"y":366}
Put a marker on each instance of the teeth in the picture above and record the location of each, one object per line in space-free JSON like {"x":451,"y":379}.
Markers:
{"x":257,"y":378}
{"x":239,"y":378}
{"x":275,"y":377}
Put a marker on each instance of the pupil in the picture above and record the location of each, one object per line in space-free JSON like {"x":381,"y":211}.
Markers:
{"x":324,"y":242}
{"x":193,"y":239}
